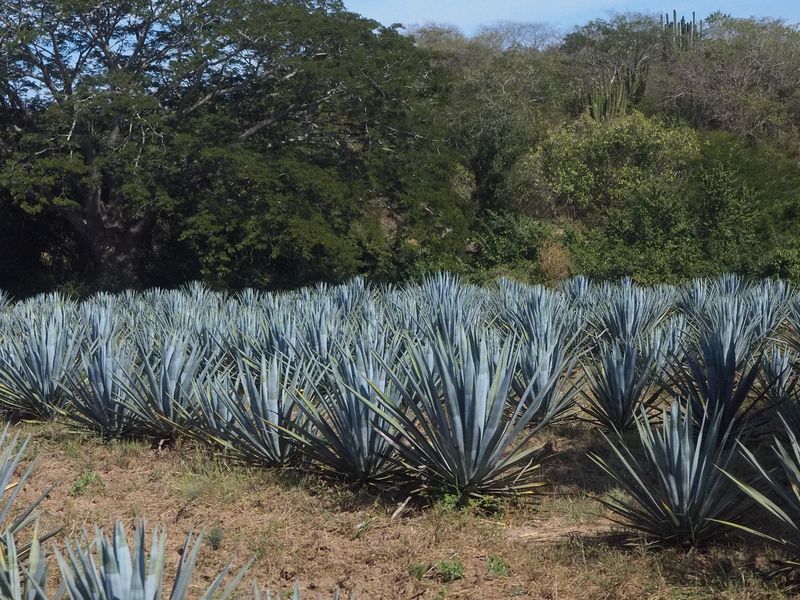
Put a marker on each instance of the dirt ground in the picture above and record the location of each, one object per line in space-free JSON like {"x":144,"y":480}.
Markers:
{"x":557,"y":545}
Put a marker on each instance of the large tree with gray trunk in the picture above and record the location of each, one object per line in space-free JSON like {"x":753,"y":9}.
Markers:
{"x":110,"y":110}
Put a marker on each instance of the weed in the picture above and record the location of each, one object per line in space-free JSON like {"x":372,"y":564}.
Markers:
{"x":214,"y":538}
{"x":497,"y":566}
{"x":85,"y":483}
{"x":450,"y":569}
{"x":363,"y":527}
{"x":418,"y":570}
{"x":451,"y":503}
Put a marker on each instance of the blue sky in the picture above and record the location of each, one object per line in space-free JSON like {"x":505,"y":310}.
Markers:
{"x":468,"y":14}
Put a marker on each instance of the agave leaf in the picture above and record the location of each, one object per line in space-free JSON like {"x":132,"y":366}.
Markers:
{"x":453,"y":429}
{"x":679,"y":495}
{"x":34,"y":366}
{"x":344,"y":436}
{"x":108,"y":569}
{"x":784,"y":509}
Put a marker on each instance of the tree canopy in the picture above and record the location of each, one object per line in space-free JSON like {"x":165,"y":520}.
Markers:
{"x":278,"y":143}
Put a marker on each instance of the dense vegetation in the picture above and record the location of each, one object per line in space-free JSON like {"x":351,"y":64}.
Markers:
{"x":274,"y":144}
{"x":432,"y":390}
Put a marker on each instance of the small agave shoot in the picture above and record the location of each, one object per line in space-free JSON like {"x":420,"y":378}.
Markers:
{"x":678,"y":494}
{"x":459,"y":429}
{"x":108,"y":569}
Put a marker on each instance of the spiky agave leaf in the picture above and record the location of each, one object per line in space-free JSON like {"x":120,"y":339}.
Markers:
{"x":447,"y":304}
{"x":622,"y":379}
{"x":791,"y":333}
{"x":296,"y":594}
{"x":344,"y":436}
{"x":678,"y":494}
{"x":20,"y":581}
{"x":729,"y":284}
{"x":255,"y":416}
{"x":352,"y":296}
{"x":769,"y":305}
{"x":12,"y":451}
{"x":33,"y":369}
{"x":160,"y":391}
{"x":548,"y":351}
{"x":721,"y":366}
{"x":779,"y":379}
{"x":108,"y":569}
{"x":578,"y":289}
{"x":457,"y":431}
{"x":631,"y":311}
{"x":701,"y":295}
{"x":97,"y":392}
{"x":776,"y":492}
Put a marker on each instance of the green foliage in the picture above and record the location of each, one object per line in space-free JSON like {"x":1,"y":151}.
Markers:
{"x":317,"y":168}
{"x":727,"y":215}
{"x":589,"y":167}
{"x":497,"y":566}
{"x":86,"y":483}
{"x":626,"y":182}
{"x":214,"y":538}
{"x":508,"y":243}
{"x":449,"y":570}
{"x":651,"y":239}
{"x":706,"y":84}
{"x":612,"y":59}
{"x":418,"y":570}
{"x":623,"y":148}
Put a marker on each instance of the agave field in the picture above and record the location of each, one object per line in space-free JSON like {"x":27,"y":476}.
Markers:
{"x":429,"y":390}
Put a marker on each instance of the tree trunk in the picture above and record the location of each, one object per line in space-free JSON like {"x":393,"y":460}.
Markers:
{"x":116,"y":257}
{"x":116,"y":250}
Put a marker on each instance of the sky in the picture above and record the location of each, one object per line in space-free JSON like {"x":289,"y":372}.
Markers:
{"x":564,"y":14}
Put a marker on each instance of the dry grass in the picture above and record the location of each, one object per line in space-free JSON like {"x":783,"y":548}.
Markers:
{"x":556,"y":546}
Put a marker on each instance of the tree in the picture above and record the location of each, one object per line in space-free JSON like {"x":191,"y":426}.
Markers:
{"x":515,"y":35}
{"x":126,"y":114}
{"x":586,"y":168}
{"x":611,"y":61}
{"x":506,"y":91}
{"x":743,"y":76}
